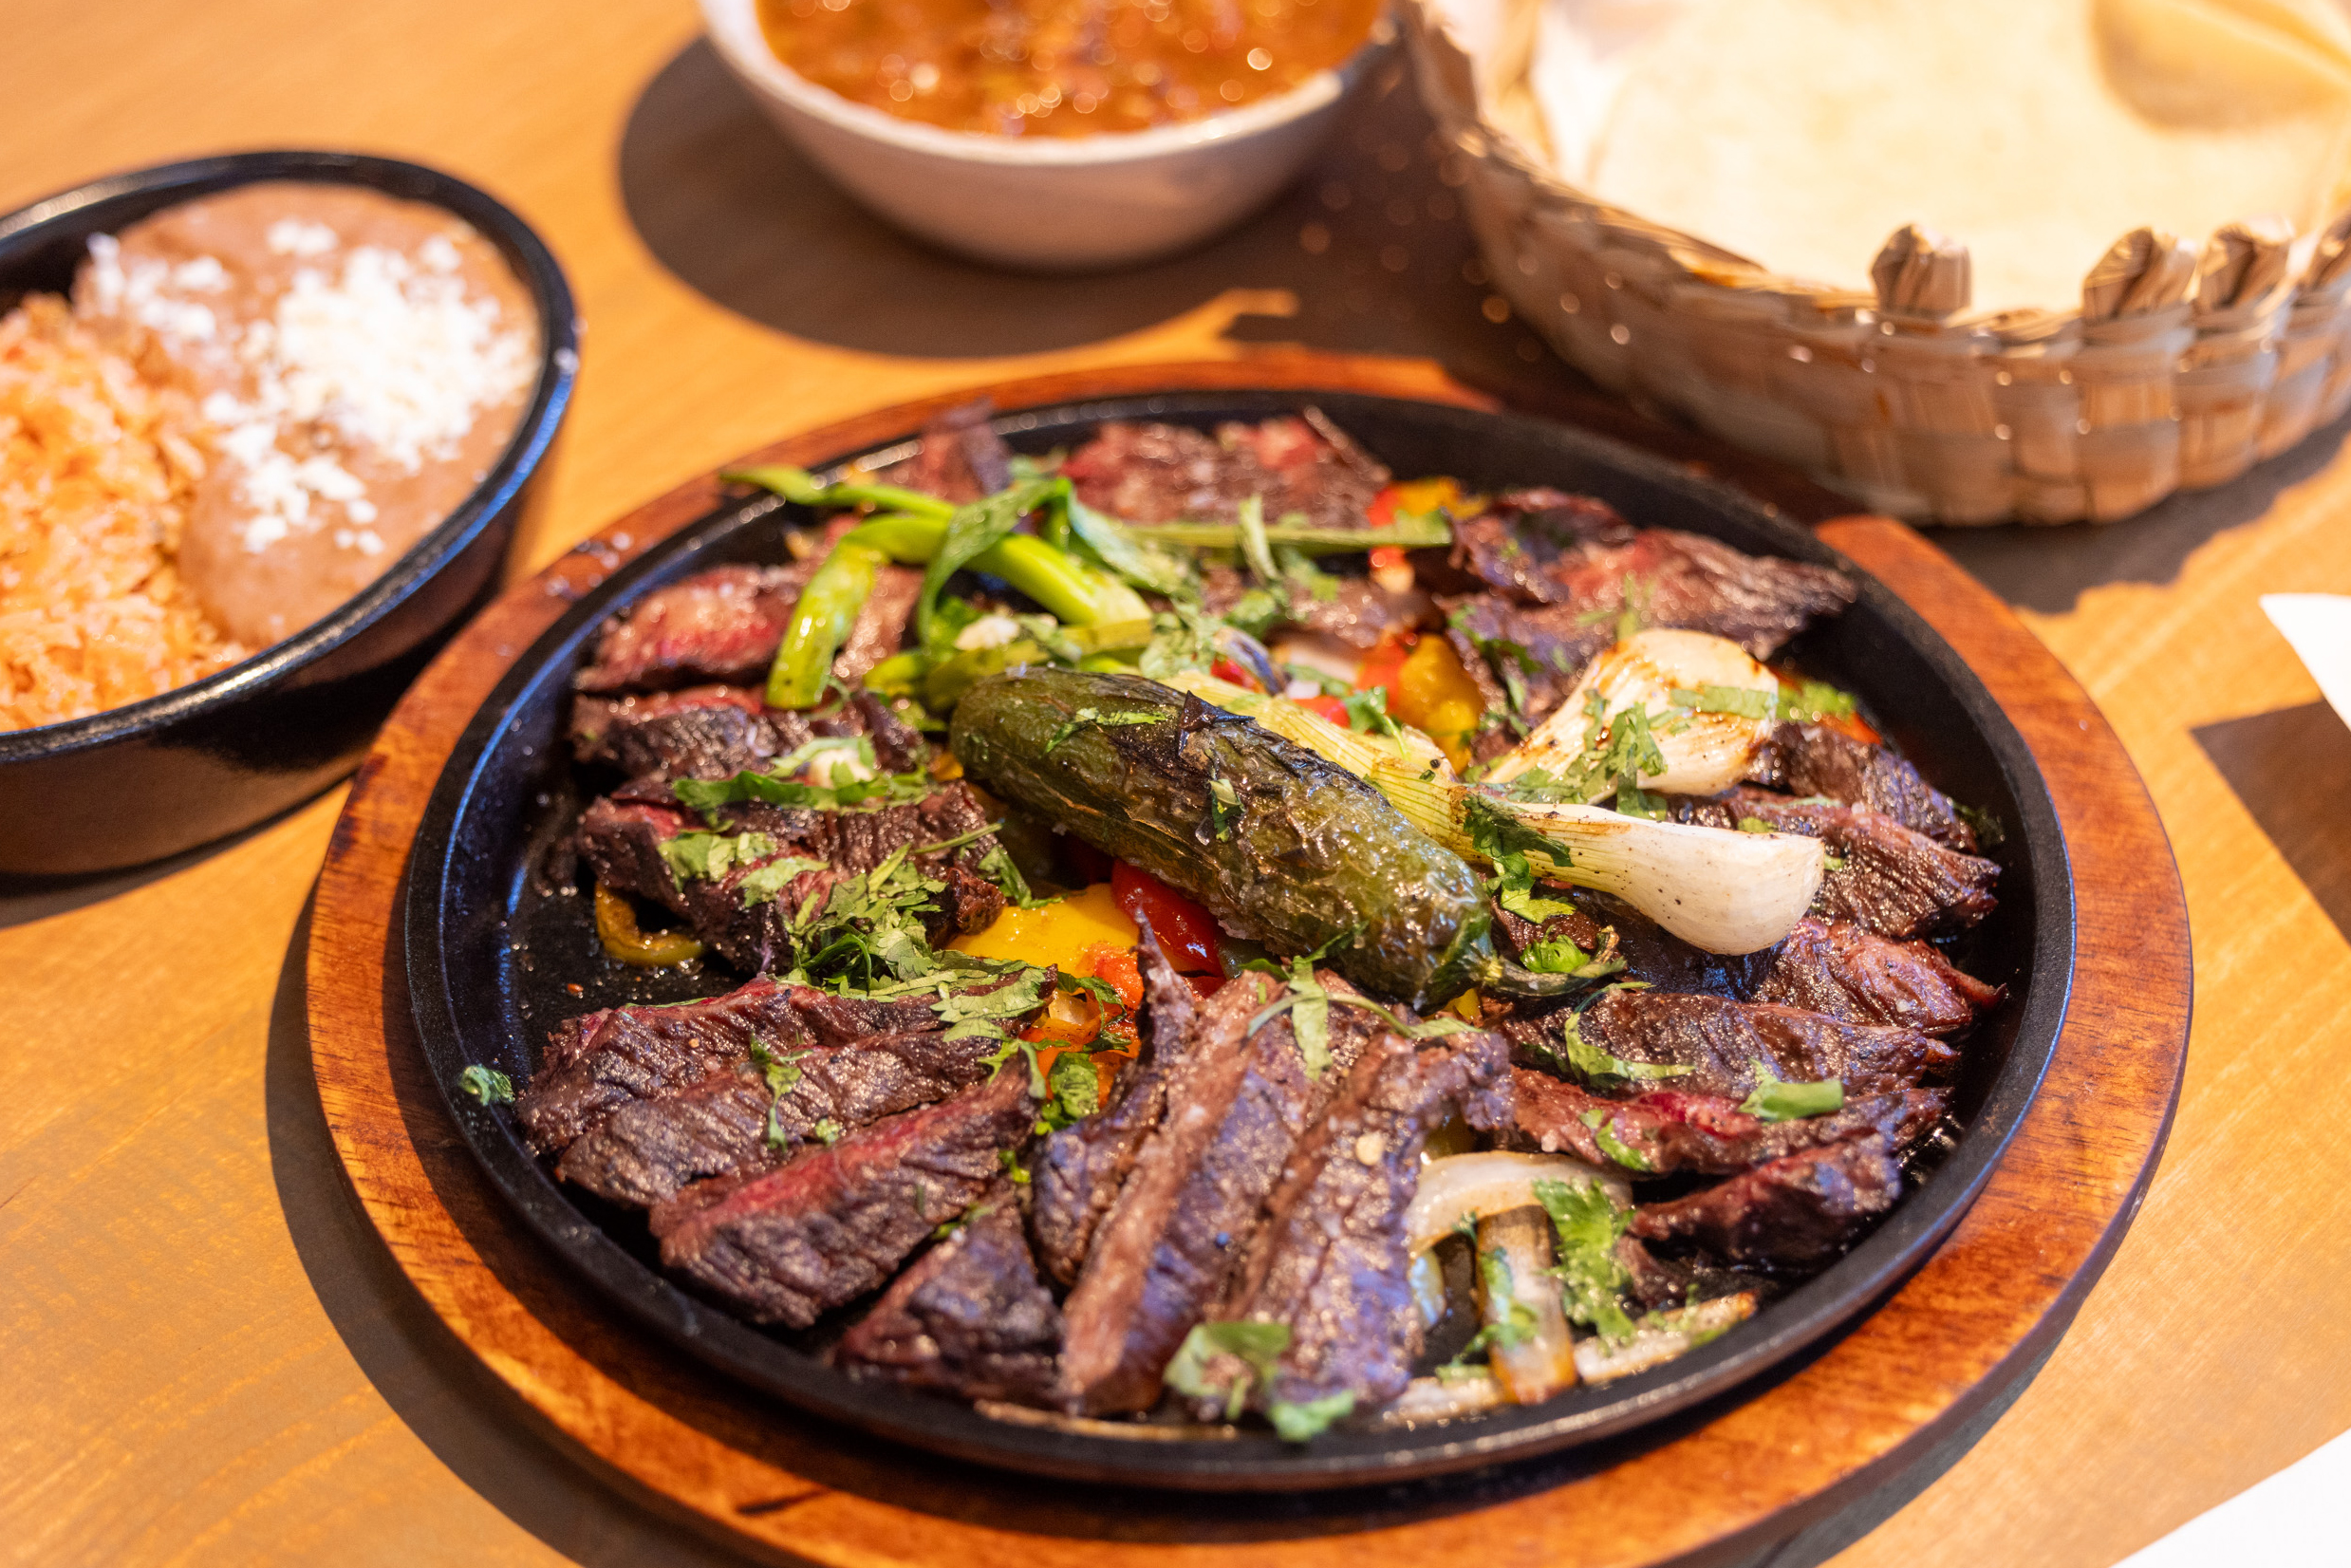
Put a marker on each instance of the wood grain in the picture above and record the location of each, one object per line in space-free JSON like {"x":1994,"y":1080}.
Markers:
{"x":211,"y":1358}
{"x":1979,"y":1311}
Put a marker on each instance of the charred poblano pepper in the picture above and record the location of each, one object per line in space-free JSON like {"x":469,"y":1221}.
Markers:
{"x":1286,"y":848}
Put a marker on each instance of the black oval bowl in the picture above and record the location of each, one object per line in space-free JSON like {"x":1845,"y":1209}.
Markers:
{"x":151,"y":778}
{"x":493,"y":942}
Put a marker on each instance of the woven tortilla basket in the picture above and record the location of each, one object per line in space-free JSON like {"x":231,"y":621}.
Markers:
{"x":2177,"y":370}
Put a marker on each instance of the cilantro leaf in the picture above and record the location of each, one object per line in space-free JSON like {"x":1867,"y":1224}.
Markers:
{"x":782,"y":1072}
{"x":707,"y":857}
{"x":1603,"y":1127}
{"x":765,"y":883}
{"x":487,"y":1085}
{"x":1814,"y":701}
{"x":1223,"y":806}
{"x":1776,"y":1101}
{"x":1075,"y":1092}
{"x":826,"y":1131}
{"x":1307,"y":1419}
{"x":1587,"y":1224}
{"x":1310,"y":1020}
{"x":1740,"y":701}
{"x":1085,"y":717}
{"x":1258,"y":1346}
{"x":883,"y":789}
{"x":1606,"y":1072}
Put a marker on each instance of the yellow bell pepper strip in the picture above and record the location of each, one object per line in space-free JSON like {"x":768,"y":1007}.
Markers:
{"x":1434,"y":694}
{"x":616,"y":927}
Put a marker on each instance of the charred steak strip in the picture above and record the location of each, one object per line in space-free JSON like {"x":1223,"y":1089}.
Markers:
{"x":1078,"y":1172}
{"x":1813,"y":760}
{"x":1822,"y":966}
{"x":1665,"y":1130}
{"x":595,"y":1064}
{"x":968,"y":1318}
{"x":789,"y":1245}
{"x":1796,"y":1212}
{"x":1236,"y":1105}
{"x":648,"y":1149}
{"x":622,"y":839}
{"x":1165,"y":473}
{"x":715,"y":732}
{"x":721,"y":625}
{"x":960,"y":458}
{"x":1720,"y":1043}
{"x":1331,"y":1261}
{"x":1895,"y":882}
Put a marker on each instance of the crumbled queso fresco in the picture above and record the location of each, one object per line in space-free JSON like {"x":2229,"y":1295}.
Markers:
{"x":359,"y":361}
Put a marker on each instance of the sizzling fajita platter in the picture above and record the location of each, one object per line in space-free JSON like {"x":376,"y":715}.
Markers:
{"x":1239,"y":941}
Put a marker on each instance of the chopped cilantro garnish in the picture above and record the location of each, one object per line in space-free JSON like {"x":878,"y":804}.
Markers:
{"x":1256,"y":1346}
{"x":782,"y":1072}
{"x":1307,"y":1419}
{"x":1776,"y":1101}
{"x":487,"y":1085}
{"x":826,"y":1131}
{"x":1085,"y":717}
{"x":1075,"y":1092}
{"x":1603,"y":1127}
{"x":1605,"y":1072}
{"x":765,"y":883}
{"x":1755,"y":825}
{"x":1223,"y":806}
{"x":706,"y":856}
{"x":1587,"y":1224}
{"x":881,"y":790}
{"x":1814,"y":701}
{"x":1741,"y":701}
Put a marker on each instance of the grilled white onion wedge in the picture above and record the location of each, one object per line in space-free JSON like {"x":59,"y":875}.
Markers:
{"x":1692,"y":687}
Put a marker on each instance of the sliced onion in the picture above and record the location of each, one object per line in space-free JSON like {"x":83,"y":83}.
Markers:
{"x":1661,"y":1337}
{"x":1533,"y":1368}
{"x":1705,"y":752}
{"x":1497,"y":1182}
{"x":1471,"y":1392}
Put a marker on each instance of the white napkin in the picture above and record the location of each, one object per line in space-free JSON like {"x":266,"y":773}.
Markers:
{"x":2319,"y":627}
{"x":2293,"y":1518}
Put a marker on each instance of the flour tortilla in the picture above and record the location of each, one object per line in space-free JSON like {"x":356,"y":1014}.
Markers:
{"x":1801,"y":133}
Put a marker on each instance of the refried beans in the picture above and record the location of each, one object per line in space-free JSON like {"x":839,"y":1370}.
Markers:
{"x":359,"y":364}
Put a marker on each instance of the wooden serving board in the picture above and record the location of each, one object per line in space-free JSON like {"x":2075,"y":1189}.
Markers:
{"x":1709,"y":1486}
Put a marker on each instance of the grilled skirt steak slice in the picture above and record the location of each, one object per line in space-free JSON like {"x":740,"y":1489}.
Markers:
{"x":1794,"y":1213}
{"x":1813,"y":760}
{"x":1833,"y":967}
{"x":1895,"y":882}
{"x":881,"y":623}
{"x":595,"y":1064}
{"x":648,"y":1149}
{"x":715,"y":732}
{"x":1663,"y":1131}
{"x":1165,"y":473}
{"x":1078,"y":1170}
{"x":1510,"y":547}
{"x":721,"y":625}
{"x":1237,"y":1105}
{"x":1720,"y":1043}
{"x":622,"y":838}
{"x":960,"y":457}
{"x":968,"y":1318}
{"x":1332,"y":1262}
{"x":789,"y":1245}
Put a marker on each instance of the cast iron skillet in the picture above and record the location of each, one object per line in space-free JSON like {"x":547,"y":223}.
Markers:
{"x":152,"y":778}
{"x":495,"y":936}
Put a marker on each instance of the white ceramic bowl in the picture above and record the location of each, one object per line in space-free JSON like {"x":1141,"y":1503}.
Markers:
{"x":1045,"y":203}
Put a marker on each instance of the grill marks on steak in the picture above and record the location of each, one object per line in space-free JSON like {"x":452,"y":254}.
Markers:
{"x":597,"y":1063}
{"x":1331,"y":1261}
{"x":650,"y":1149}
{"x":1166,"y":473}
{"x":1895,"y":882}
{"x":1813,"y":760}
{"x":1236,"y":1105}
{"x":721,"y":625}
{"x":787,"y":1246}
{"x":1668,"y":1131}
{"x":1794,"y":1213}
{"x":622,"y":838}
{"x":968,"y":1317}
{"x":1721,"y":1041}
{"x":1832,"y":967}
{"x":1078,"y":1170}
{"x":717,"y":731}
{"x":960,"y":457}
{"x":1558,"y":610}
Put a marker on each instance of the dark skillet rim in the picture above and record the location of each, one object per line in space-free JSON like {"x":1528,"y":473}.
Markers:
{"x":1255,"y":1461}
{"x":534,"y":432}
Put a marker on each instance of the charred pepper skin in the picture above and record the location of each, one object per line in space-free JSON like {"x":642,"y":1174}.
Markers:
{"x":1302,"y":856}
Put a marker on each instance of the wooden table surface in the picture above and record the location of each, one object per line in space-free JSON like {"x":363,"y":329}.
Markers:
{"x":208,"y":1357}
